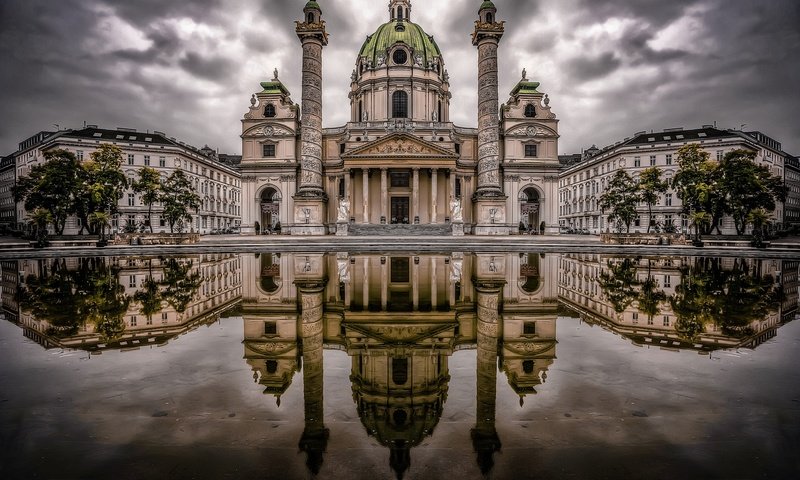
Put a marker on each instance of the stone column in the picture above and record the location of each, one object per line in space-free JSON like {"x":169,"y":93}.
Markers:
{"x":384,"y":283}
{"x":315,"y":436}
{"x":415,"y":283}
{"x":484,"y":436}
{"x":384,"y":196}
{"x":310,"y":212}
{"x":365,"y":287}
{"x":434,"y":194}
{"x":490,"y":206}
{"x":434,"y":287}
{"x":365,"y":193}
{"x":415,"y":197}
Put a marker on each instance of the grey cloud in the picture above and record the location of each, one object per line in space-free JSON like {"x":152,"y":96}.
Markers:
{"x":593,"y":68}
{"x":210,"y":68}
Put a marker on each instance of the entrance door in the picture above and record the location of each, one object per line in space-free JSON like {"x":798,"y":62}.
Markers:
{"x":400,"y":210}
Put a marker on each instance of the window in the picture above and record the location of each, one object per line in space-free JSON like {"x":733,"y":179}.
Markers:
{"x":530,"y":150}
{"x":79,"y":155}
{"x":147,"y":160}
{"x":529,"y":328}
{"x":130,"y":159}
{"x":666,"y":321}
{"x":637,"y":161}
{"x":635,"y":318}
{"x":131,"y":199}
{"x":489,"y":18}
{"x":270,"y":328}
{"x":164,"y":318}
{"x":638,"y":221}
{"x":133,"y":320}
{"x":667,"y":281}
{"x":530,"y":110}
{"x":400,"y":104}
{"x":652,"y":160}
{"x":649,"y":320}
{"x":400,"y":57}
{"x":162,"y":162}
{"x":269,"y":150}
{"x":269,"y":110}
{"x":527,"y":366}
{"x":668,"y":199}
{"x":310,"y":18}
{"x":400,"y":179}
{"x":669,"y":159}
{"x":132,"y":281}
{"x":458,"y":148}
{"x":400,"y":371}
{"x":719,"y":155}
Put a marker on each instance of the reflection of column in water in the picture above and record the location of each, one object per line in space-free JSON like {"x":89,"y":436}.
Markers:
{"x":484,"y":436}
{"x":315,"y":435}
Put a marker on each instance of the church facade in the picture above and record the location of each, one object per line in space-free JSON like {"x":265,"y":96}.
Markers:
{"x":400,"y":166}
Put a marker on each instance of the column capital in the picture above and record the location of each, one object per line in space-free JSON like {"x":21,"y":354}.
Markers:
{"x":311,"y":286}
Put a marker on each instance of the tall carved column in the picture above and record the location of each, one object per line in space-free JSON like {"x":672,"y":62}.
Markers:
{"x":484,"y":436}
{"x":489,"y":199}
{"x":310,"y":214}
{"x":384,"y":195}
{"x":315,"y":436}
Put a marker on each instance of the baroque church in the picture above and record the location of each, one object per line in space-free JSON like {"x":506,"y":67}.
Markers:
{"x":400,"y":166}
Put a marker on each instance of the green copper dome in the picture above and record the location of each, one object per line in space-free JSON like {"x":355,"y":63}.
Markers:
{"x":312,"y":4}
{"x":408,"y":33}
{"x":487,"y":4}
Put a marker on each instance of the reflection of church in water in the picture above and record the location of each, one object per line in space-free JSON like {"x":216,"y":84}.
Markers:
{"x":400,"y":166}
{"x":399,"y":318}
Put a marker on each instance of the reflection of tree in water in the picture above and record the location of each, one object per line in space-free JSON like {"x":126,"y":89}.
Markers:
{"x":180,"y":286}
{"x":731,"y":298}
{"x":650,"y":296}
{"x":619,"y":283}
{"x":70,"y":298}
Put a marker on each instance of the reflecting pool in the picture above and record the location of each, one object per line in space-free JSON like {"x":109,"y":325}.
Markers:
{"x":342,"y":365}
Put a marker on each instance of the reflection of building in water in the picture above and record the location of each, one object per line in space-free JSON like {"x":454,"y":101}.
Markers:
{"x":790,"y":284}
{"x":125,"y":302}
{"x":681,"y":302}
{"x":399,"y":318}
{"x":9,"y":282}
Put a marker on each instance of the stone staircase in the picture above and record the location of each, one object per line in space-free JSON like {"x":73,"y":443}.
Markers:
{"x":437,"y":230}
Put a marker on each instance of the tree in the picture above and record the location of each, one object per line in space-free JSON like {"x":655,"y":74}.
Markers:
{"x":619,"y":283}
{"x":620,"y":198}
{"x":102,"y":184}
{"x":180,"y":285}
{"x":748,"y":186}
{"x":149,"y":185}
{"x":650,"y":189}
{"x":650,"y":296}
{"x":52,"y":186}
{"x":758,"y":218}
{"x":40,"y":218}
{"x":697,"y":185}
{"x":99,"y":221}
{"x":179,"y":198}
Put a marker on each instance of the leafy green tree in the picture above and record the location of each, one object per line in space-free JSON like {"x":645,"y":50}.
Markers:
{"x":52,"y":186}
{"x":697,"y":184}
{"x":748,"y":186}
{"x":179,"y":199}
{"x":620,"y":199}
{"x":651,"y":186}
{"x":758,"y":218}
{"x":102,"y":184}
{"x":40,"y":218}
{"x":149,"y":185}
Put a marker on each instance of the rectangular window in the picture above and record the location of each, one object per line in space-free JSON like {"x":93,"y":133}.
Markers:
{"x":637,"y":161}
{"x":652,"y":160}
{"x":720,"y":154}
{"x":133,"y":320}
{"x":637,"y":222}
{"x":669,"y":159}
{"x":270,"y":328}
{"x":269,"y":151}
{"x":635,"y":319}
{"x":131,"y":199}
{"x":147,"y":160}
{"x":531,"y":151}
{"x":668,"y":199}
{"x":399,"y":179}
{"x":79,"y":155}
{"x":164,"y":318}
{"x":149,"y":321}
{"x":667,"y":281}
{"x":529,"y":328}
{"x":162,"y":162}
{"x":130,"y":159}
{"x":132,"y":281}
{"x":650,"y":320}
{"x":666,"y":321}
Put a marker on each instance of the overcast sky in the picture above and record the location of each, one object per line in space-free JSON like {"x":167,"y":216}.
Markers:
{"x":611,"y":67}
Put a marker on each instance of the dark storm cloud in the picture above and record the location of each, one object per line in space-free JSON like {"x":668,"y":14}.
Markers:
{"x":593,"y":68}
{"x":611,"y":67}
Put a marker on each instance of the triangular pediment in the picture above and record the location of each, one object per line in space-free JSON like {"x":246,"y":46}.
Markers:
{"x":400,"y":145}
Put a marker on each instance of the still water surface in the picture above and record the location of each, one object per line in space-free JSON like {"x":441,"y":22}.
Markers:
{"x":385,"y":366}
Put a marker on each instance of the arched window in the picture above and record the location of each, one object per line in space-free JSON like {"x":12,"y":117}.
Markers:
{"x":439,"y":112}
{"x":269,"y":110}
{"x":489,"y":18}
{"x":360,"y":111}
{"x":530,"y":110}
{"x":399,"y":14}
{"x":400,"y":104}
{"x":310,"y":17}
